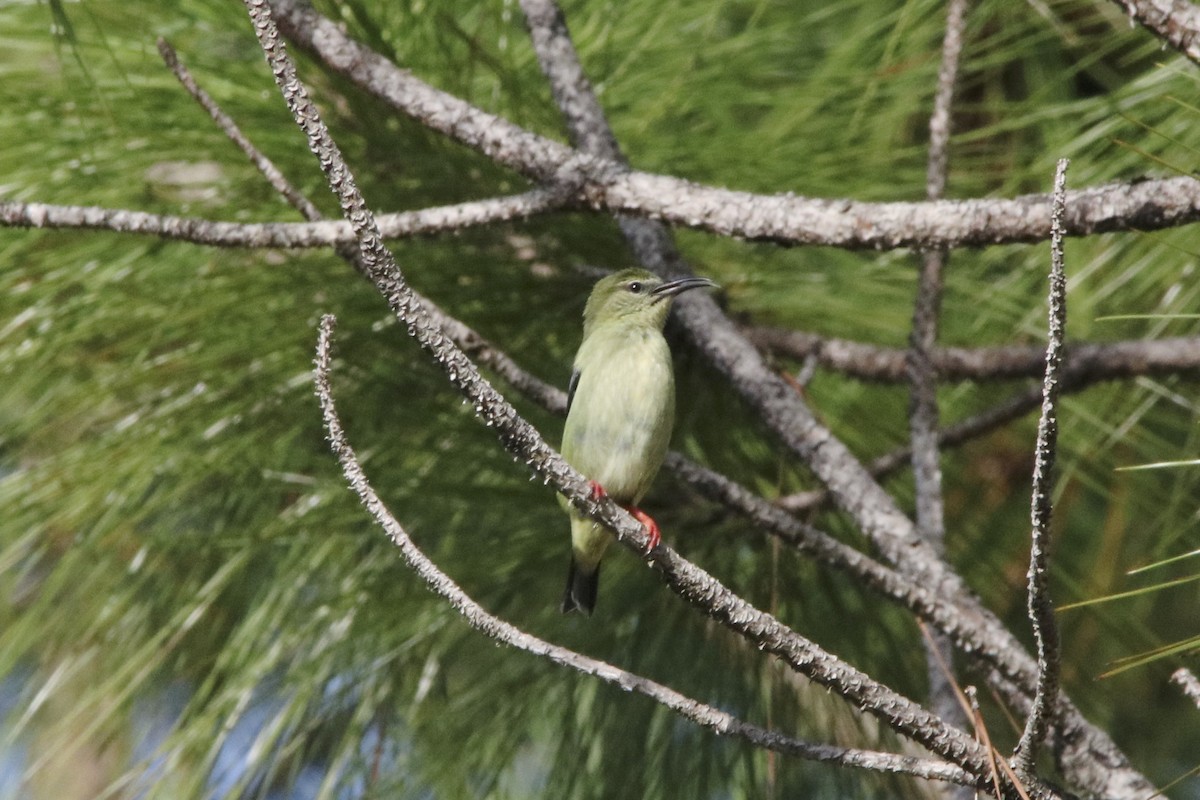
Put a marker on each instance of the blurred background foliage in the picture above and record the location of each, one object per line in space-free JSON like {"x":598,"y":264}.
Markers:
{"x":192,"y":602}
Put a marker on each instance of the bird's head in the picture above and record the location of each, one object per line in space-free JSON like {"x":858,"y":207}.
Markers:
{"x":634,"y":297}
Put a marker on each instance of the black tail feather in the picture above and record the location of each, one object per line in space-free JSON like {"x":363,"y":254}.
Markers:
{"x":582,"y":585}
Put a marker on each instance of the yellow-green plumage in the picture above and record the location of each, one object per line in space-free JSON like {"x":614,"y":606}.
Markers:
{"x":621,"y":408}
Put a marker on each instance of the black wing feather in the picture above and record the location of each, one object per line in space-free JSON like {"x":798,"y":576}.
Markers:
{"x":571,"y":387}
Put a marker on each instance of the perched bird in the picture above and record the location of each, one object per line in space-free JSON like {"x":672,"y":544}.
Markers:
{"x":620,"y":410}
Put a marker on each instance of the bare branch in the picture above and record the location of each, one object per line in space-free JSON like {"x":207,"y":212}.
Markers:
{"x":521,"y":439}
{"x":1190,"y":684}
{"x":1087,"y":362}
{"x":330,"y":233}
{"x":923,"y":404}
{"x":1041,"y":607}
{"x":604,"y":184}
{"x":474,"y":345}
{"x":1176,"y":22}
{"x":939,"y":121}
{"x":712,"y":333}
{"x":231,"y":130}
{"x":1001,"y":414}
{"x":701,"y":714}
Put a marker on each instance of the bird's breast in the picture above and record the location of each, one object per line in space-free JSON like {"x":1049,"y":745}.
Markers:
{"x":621,"y":416}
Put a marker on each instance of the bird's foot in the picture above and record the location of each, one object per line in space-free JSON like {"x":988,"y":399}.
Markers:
{"x":651,"y":527}
{"x":647,"y":521}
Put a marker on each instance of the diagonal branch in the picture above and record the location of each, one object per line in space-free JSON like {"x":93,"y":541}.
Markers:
{"x":1176,"y":22}
{"x":777,"y":404}
{"x":474,"y":345}
{"x":522,"y":440}
{"x":1041,"y":607}
{"x":701,"y":714}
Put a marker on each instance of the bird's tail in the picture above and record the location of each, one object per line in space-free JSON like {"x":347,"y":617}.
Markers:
{"x":582,"y":584}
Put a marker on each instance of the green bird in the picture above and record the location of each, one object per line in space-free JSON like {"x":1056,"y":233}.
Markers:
{"x":620,"y":410}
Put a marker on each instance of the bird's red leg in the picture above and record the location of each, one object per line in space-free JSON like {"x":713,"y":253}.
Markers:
{"x":651,"y":527}
{"x":641,"y":516}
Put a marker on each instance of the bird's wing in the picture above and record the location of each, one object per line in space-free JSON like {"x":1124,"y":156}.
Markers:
{"x":572,"y":386}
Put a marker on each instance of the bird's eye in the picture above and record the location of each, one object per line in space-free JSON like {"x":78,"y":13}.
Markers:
{"x":635,"y":287}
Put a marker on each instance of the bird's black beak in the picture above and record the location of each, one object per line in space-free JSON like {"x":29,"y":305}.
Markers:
{"x":672,"y":288}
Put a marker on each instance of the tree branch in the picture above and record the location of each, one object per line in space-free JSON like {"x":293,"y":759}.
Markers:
{"x":1087,"y":362}
{"x":330,"y":233}
{"x":1041,"y":607}
{"x":692,"y":583}
{"x":474,"y":345}
{"x":1176,"y":22}
{"x":608,"y":185}
{"x":922,"y":378}
{"x":713,"y":335}
{"x":504,"y":632}
{"x":264,"y":165}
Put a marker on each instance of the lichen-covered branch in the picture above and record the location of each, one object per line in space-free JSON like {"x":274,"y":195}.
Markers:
{"x":1041,"y":607}
{"x":1087,"y":362}
{"x":609,"y":185}
{"x":687,"y":580}
{"x":922,"y":378}
{"x":1176,"y":22}
{"x":328,"y":233}
{"x":504,"y":632}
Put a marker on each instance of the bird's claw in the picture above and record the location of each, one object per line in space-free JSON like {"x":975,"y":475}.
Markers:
{"x":598,"y":493}
{"x":651,"y":528}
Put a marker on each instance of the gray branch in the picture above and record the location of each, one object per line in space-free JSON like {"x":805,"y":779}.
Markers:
{"x":606,"y":184}
{"x":1087,"y":362}
{"x":523,"y":441}
{"x":701,"y":714}
{"x":1176,"y":22}
{"x":475,"y":346}
{"x":1041,"y":607}
{"x":330,"y":233}
{"x":922,"y":377}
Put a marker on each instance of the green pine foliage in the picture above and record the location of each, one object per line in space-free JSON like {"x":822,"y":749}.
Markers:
{"x":177,"y":544}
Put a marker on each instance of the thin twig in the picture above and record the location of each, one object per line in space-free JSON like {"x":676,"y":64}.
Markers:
{"x":522,"y":440}
{"x":1041,"y":607}
{"x":1093,"y":361}
{"x":472,"y":343}
{"x":923,"y":405}
{"x":700,"y":713}
{"x":974,"y":426}
{"x":1016,"y":406}
{"x":231,"y":130}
